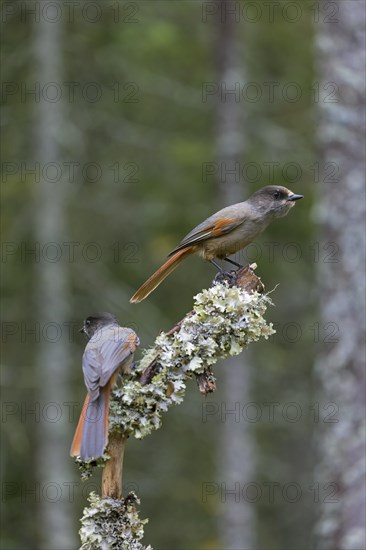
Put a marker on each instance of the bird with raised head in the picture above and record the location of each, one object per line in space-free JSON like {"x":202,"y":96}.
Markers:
{"x":226,"y":232}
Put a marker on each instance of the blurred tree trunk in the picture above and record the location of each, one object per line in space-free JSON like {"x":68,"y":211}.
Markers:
{"x":51,"y":296}
{"x":236,"y":447}
{"x":340,"y":365}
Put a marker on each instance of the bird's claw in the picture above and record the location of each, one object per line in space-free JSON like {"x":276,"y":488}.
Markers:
{"x":225,"y":276}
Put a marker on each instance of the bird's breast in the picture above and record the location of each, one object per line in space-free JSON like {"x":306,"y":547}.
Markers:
{"x":239,"y":238}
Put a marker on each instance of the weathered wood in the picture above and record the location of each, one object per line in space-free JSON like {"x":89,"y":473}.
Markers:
{"x":112,"y":472}
{"x":246,"y":279}
{"x":206,"y":382}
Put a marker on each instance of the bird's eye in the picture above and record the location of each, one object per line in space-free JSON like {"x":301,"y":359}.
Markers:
{"x":276,"y":194}
{"x":87,"y":322}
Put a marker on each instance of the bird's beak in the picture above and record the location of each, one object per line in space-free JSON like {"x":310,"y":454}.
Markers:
{"x":295,"y":197}
{"x":82,"y":330}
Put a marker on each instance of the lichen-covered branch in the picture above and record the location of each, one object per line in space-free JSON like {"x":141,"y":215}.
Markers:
{"x":225,"y":320}
{"x":112,"y":523}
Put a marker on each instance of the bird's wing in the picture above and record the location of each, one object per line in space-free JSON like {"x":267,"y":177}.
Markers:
{"x":102,"y":358}
{"x":209,"y":229}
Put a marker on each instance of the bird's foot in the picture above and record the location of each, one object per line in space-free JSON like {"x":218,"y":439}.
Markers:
{"x":225,"y":276}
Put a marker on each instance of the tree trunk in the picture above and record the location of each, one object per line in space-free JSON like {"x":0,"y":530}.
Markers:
{"x":341,"y":210}
{"x":236,"y":446}
{"x":51,"y":292}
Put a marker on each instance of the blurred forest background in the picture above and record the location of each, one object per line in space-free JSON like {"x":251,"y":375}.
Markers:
{"x":125,"y":124}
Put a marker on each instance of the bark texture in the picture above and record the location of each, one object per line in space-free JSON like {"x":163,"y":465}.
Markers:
{"x":340,"y":367}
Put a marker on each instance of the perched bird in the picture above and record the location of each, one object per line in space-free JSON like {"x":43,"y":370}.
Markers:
{"x":225,"y":232}
{"x":109,"y":352}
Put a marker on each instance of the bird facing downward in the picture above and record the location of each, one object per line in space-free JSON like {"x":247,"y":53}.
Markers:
{"x":109,"y":351}
{"x":226,"y":232}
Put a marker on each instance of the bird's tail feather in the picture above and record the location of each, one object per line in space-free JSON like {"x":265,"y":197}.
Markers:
{"x":91,"y":435}
{"x":159,"y":275}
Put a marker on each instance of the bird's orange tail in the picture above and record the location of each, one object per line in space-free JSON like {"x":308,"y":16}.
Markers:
{"x":159,"y":275}
{"x":76,"y":442}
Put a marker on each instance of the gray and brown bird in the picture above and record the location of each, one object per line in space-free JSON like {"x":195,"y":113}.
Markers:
{"x":108,"y":353}
{"x":226,"y":232}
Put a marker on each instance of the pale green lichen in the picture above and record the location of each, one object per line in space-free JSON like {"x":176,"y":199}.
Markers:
{"x":110,"y":524}
{"x":86,"y":467}
{"x":223,"y":322}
